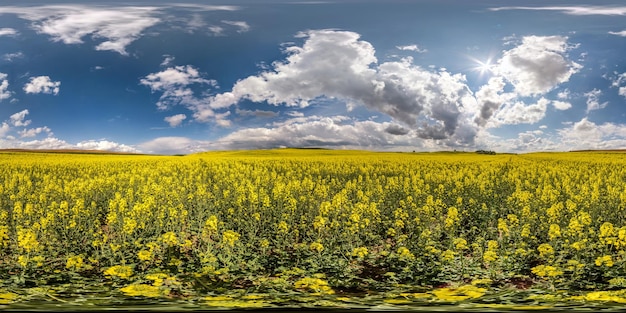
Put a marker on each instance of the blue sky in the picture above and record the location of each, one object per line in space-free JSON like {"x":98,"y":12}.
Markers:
{"x":423,"y":75}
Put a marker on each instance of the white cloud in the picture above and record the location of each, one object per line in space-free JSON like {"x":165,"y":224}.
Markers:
{"x":519,"y":113}
{"x":115,"y":27}
{"x":175,"y":120}
{"x":537,"y":65}
{"x":414,"y":48}
{"x":4,"y":129}
{"x":328,"y":132}
{"x":337,"y":132}
{"x":32,"y":132}
{"x":490,"y":98}
{"x":53,"y":143}
{"x":589,"y":135}
{"x":105,"y":145}
{"x":573,"y":10}
{"x":46,"y":143}
{"x":8,"y":32}
{"x":241,"y":25}
{"x":118,"y":26}
{"x":174,"y":77}
{"x":12,"y":56}
{"x":42,"y":84}
{"x":561,"y":105}
{"x":174,"y":83}
{"x":168,"y":60}
{"x":17,"y":119}
{"x":563,"y":94}
{"x":216,"y":30}
{"x":593,"y":101}
{"x":617,"y":82}
{"x":4,"y":87}
{"x":174,"y":145}
{"x":621,"y":33}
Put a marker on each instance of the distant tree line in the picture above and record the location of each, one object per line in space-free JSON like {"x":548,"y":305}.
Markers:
{"x":486,"y":152}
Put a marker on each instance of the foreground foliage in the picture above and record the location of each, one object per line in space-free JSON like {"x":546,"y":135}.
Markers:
{"x":324,"y":228}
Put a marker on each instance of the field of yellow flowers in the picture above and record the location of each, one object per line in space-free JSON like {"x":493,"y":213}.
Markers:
{"x":314,"y":228}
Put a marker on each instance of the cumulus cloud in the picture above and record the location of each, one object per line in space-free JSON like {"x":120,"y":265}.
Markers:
{"x":8,"y":139}
{"x":52,"y":143}
{"x":414,"y":48}
{"x":586,"y":134}
{"x":105,"y":145}
{"x":8,"y":32}
{"x":4,"y":87}
{"x":174,"y":83}
{"x":490,"y":98}
{"x":32,"y":132}
{"x":593,"y":100}
{"x":563,"y":94}
{"x":174,"y":145}
{"x":242,"y":26}
{"x":17,"y":119}
{"x":46,"y":143}
{"x":42,"y":84}
{"x":175,"y":120}
{"x":338,"y":65}
{"x":537,"y":65}
{"x":520,"y":113}
{"x":573,"y":10}
{"x":317,"y":131}
{"x":395,"y":129}
{"x":561,"y":105}
{"x":337,"y":132}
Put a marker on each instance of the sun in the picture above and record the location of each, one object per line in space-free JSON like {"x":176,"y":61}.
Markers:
{"x":482,"y":67}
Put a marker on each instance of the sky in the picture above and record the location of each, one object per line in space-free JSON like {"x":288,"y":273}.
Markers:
{"x":385,"y":75}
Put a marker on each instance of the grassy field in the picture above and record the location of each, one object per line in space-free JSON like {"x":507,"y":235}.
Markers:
{"x":313,"y":228}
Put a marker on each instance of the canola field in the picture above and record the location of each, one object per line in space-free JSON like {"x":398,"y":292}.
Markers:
{"x":313,"y":228}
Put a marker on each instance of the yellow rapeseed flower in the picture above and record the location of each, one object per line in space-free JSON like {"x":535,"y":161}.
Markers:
{"x":359,"y":252}
{"x":545,"y":250}
{"x":490,"y":256}
{"x":75,"y":263}
{"x":169,"y":239}
{"x":316,"y":246}
{"x":119,"y":271}
{"x":604,"y":260}
{"x":27,"y":240}
{"x":144,"y":255}
{"x":459,"y":244}
{"x":546,"y":271}
{"x":230,"y":237}
{"x":448,"y":255}
{"x":142,"y":290}
{"x":554,"y":232}
{"x":316,"y":285}
{"x":405,"y":254}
